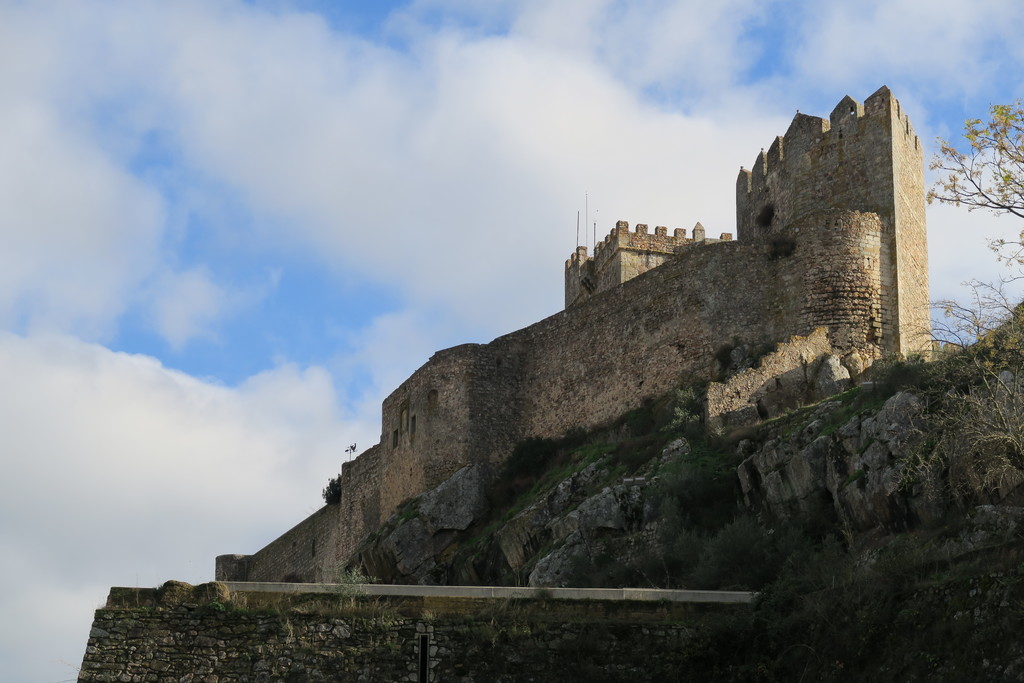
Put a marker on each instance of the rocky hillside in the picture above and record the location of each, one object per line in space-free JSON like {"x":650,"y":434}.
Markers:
{"x":898,"y":497}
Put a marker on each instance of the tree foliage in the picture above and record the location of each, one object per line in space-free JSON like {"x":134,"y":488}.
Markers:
{"x":988,"y":175}
{"x":332,"y":492}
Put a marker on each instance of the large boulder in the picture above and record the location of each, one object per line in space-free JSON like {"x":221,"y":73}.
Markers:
{"x":408,"y":548}
{"x":832,"y":377}
{"x":555,"y":569}
{"x":456,"y":503}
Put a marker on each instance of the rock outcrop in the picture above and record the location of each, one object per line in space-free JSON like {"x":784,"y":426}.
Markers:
{"x":408,"y":549}
{"x":857,"y":471}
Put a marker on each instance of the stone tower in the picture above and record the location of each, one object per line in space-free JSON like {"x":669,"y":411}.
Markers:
{"x":863,"y":158}
{"x":623,"y":255}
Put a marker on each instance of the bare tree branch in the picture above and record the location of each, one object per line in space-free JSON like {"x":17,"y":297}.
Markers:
{"x":990,"y":174}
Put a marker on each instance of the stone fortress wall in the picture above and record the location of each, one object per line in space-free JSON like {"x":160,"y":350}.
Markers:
{"x":623,"y":255}
{"x":830,"y":226}
{"x":206,"y":633}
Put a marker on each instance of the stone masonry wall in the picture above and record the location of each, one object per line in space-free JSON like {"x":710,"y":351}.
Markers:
{"x":842,"y":281}
{"x":594,"y":361}
{"x":623,"y":255}
{"x":642,"y":339}
{"x":911,"y":238}
{"x":304,"y":553}
{"x":778,"y":382}
{"x":864,"y":157}
{"x":510,"y":641}
{"x":827,"y":219}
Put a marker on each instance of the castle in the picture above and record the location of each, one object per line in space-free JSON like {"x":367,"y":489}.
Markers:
{"x":830,"y":245}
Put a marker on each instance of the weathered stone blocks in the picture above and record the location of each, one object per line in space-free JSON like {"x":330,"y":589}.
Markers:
{"x":831,"y":236}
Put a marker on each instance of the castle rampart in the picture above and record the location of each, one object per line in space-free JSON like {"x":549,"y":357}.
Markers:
{"x":831,"y":236}
{"x":864,"y":158}
{"x":623,"y":255}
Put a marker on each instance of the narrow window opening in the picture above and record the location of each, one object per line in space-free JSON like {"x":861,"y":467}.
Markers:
{"x":314,"y":548}
{"x":412,"y":425}
{"x":431,"y":402}
{"x":424,"y":658}
{"x":394,"y":439}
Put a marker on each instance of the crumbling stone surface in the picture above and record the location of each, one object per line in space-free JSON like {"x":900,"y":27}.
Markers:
{"x":800,"y":370}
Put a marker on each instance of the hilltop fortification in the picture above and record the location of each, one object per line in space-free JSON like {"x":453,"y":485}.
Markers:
{"x":830,"y":260}
{"x":623,"y":255}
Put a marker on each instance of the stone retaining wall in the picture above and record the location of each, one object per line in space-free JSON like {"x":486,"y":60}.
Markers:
{"x":140,"y":636}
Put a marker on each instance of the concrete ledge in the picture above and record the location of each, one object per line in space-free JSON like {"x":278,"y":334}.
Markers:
{"x":638,"y":594}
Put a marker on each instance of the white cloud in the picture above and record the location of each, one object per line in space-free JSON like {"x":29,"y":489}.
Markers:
{"x":44,"y":610}
{"x":685,"y":46}
{"x":186,"y":305}
{"x":450,"y":169}
{"x":461,"y":160}
{"x":77,"y":233}
{"x":118,"y":471}
{"x":958,"y":248}
{"x":369,"y":159}
{"x":190,"y":305}
{"x":952,"y":47}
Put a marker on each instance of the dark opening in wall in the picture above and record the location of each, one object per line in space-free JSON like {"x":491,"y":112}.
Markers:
{"x":424,"y":658}
{"x":431,"y":402}
{"x":764,"y":219}
{"x":781,"y":247}
{"x":412,"y":425}
{"x":313,"y":551}
{"x":394,"y":439}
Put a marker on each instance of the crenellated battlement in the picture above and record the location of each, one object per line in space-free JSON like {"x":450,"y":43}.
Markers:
{"x":624,"y":254}
{"x":817,"y":162}
{"x":641,"y":238}
{"x":863,"y":157}
{"x":831,"y":236}
{"x":849,"y":121}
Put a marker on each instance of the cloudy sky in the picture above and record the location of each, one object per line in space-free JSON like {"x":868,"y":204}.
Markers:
{"x":228,"y":229}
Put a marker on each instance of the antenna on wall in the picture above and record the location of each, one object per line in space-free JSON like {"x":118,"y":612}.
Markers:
{"x":586,"y":208}
{"x":586,"y":222}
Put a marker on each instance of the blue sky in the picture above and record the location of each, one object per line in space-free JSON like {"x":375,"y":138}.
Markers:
{"x":228,"y":229}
